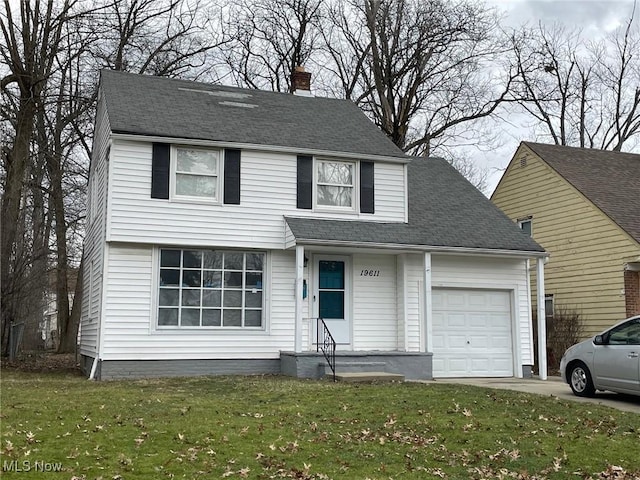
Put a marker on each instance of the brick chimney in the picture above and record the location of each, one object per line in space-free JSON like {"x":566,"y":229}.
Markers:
{"x":301,"y":82}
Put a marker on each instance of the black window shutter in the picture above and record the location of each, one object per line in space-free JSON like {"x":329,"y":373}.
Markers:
{"x":367,"y":197}
{"x":232,"y":176}
{"x":160,"y":170}
{"x":305,"y":181}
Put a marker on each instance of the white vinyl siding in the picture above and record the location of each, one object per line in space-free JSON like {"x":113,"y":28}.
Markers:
{"x":492,"y":274}
{"x":375,"y":315}
{"x":94,"y":243}
{"x":268,"y":183}
{"x":289,"y":238}
{"x":415,"y":304}
{"x":129,"y":323}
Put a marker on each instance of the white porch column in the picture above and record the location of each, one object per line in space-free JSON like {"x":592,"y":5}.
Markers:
{"x":426,"y":337}
{"x":402,"y":262}
{"x":298,"y":300}
{"x":542,"y":327}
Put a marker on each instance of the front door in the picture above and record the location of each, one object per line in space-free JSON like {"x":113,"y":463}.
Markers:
{"x":331,"y":296}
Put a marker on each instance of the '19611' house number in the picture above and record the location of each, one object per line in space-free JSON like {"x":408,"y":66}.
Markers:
{"x":369,"y":273}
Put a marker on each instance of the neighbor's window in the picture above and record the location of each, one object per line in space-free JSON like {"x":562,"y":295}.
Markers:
{"x":525,"y":225}
{"x":335,"y":184}
{"x":196,"y":173}
{"x":210,"y":288}
{"x":548,"y":305}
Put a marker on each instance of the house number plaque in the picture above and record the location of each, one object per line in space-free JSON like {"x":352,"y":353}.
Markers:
{"x":369,"y":273}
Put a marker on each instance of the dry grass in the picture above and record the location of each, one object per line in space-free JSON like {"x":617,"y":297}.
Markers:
{"x":275,"y":427}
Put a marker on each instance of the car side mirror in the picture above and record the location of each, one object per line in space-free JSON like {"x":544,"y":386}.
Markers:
{"x":599,"y":340}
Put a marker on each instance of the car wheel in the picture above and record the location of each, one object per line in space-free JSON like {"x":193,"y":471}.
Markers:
{"x":580,"y":380}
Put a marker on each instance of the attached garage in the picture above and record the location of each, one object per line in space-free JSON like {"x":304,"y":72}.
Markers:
{"x":472,"y":333}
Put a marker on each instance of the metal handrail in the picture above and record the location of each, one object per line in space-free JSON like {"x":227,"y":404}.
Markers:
{"x":327,"y":345}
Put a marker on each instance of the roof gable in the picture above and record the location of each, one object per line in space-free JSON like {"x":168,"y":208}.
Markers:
{"x":164,"y":107}
{"x":610,"y":180}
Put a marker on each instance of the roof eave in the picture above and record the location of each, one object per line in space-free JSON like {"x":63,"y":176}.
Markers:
{"x":424,"y":248}
{"x":254,"y":146}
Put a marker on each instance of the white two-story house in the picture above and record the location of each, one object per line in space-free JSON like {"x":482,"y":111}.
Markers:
{"x":224,"y":223}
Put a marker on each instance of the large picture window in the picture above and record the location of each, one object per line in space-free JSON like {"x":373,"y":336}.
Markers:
{"x":335,"y":184}
{"x":197,"y":173}
{"x":210,"y":288}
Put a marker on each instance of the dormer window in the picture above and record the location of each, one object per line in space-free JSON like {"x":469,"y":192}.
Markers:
{"x":196,"y":173}
{"x":335,"y":184}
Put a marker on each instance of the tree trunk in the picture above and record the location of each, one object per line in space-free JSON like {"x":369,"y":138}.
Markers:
{"x":68,"y":341}
{"x":16,"y":162}
{"x":54,"y":165}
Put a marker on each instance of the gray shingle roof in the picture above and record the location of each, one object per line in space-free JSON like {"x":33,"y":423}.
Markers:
{"x":445,"y":210}
{"x":611,"y":180}
{"x":156,"y":106}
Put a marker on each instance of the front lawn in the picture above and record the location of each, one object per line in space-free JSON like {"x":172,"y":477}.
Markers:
{"x":275,"y":427}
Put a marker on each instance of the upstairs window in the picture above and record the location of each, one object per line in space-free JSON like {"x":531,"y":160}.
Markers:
{"x":197,"y":173}
{"x":335,"y":184}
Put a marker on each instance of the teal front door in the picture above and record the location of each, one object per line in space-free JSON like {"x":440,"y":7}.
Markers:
{"x":332,"y":295}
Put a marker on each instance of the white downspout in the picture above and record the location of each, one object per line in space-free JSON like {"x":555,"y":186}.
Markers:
{"x":542,"y":327}
{"x":94,"y":367}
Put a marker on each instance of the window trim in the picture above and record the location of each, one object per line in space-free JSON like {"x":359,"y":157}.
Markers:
{"x":173,"y":172}
{"x":182,"y":330}
{"x":355,"y":186}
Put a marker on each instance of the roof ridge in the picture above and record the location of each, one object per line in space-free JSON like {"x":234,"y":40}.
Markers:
{"x":572,"y":147}
{"x":191,"y":82}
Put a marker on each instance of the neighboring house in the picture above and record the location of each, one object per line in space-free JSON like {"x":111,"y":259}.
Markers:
{"x":583,"y":207}
{"x":49,"y":323}
{"x":222,"y":222}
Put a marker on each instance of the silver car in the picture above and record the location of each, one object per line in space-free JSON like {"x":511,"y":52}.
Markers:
{"x":609,"y":361}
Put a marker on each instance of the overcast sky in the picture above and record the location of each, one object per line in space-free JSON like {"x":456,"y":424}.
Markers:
{"x":594,"y":17}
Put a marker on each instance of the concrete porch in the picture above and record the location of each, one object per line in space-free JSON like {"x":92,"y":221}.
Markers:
{"x":413,"y":365}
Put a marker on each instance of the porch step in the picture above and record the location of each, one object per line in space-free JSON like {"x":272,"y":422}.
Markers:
{"x":369,"y":377}
{"x":355,"y":367}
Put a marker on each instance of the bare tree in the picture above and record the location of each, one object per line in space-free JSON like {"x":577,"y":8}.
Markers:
{"x":424,"y":68}
{"x":579,"y":92}
{"x":29,"y":53}
{"x":619,"y":74}
{"x":268,"y":39}
{"x":53,"y":51}
{"x":70,"y":102}
{"x":170,"y":38}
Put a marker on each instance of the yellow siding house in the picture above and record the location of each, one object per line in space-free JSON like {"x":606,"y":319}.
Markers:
{"x":583,"y":207}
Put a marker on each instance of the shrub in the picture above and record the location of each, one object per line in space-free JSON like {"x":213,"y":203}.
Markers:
{"x":564,"y":329}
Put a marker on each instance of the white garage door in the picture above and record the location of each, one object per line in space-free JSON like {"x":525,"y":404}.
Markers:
{"x":472,"y":333}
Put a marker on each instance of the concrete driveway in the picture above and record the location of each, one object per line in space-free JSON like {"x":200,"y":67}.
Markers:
{"x":554,"y":387}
